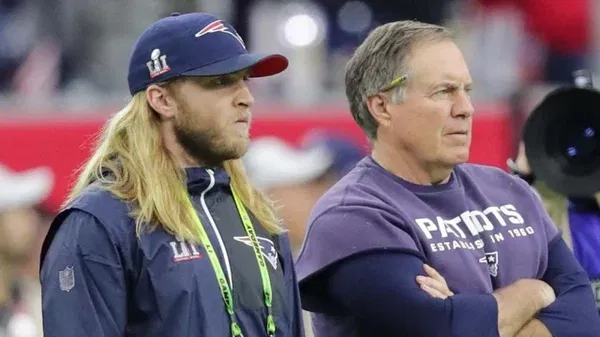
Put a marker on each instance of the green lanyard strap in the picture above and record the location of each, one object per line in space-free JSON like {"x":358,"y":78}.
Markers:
{"x":262,"y":266}
{"x":226,"y":292}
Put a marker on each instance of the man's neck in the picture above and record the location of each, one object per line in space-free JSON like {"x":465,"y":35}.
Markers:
{"x":407,"y":167}
{"x":181,"y":157}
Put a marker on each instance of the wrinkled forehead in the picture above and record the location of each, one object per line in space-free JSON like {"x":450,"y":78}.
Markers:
{"x":439,"y":61}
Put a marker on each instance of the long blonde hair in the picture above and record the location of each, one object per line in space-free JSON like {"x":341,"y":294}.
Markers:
{"x":131,"y":161}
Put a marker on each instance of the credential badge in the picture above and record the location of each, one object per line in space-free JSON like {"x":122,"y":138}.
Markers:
{"x":66,"y":279}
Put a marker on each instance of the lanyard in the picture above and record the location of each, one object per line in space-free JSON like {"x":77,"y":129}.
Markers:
{"x":226,"y":292}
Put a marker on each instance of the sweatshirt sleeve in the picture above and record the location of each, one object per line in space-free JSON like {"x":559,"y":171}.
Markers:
{"x":380,"y":289}
{"x":83,"y":281}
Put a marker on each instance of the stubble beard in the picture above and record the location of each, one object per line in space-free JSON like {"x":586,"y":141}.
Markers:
{"x":209,"y":147}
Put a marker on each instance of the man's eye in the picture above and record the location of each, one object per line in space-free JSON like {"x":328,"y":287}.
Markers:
{"x":222,"y":81}
{"x":448,"y":90}
{"x":226,"y":81}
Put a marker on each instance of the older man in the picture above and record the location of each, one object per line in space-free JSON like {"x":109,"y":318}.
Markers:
{"x":414,"y":241}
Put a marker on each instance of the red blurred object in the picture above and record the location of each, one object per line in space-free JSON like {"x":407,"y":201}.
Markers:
{"x":563,"y":25}
{"x":65,"y":143}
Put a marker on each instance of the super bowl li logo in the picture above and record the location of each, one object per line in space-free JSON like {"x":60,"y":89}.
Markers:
{"x":157,"y":64}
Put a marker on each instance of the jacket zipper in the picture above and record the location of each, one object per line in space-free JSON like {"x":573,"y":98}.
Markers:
{"x":215,"y":229}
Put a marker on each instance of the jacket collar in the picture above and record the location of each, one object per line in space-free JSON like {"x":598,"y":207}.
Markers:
{"x":200,"y":178}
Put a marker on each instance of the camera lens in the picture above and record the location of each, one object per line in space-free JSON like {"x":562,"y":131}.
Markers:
{"x":562,"y":140}
{"x":581,"y":146}
{"x":576,"y":146}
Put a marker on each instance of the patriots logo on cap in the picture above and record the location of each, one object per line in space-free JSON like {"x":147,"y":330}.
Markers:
{"x":267,"y":247}
{"x":219,"y":27}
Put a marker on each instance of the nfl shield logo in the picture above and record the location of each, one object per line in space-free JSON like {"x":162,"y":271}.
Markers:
{"x":66,"y":279}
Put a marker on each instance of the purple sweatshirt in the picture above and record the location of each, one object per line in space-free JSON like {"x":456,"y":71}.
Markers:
{"x":483,"y":230}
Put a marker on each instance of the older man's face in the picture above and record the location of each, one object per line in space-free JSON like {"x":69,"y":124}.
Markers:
{"x":434,"y":121}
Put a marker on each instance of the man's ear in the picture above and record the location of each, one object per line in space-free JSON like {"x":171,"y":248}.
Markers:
{"x":161,"y":101}
{"x":378,"y":107}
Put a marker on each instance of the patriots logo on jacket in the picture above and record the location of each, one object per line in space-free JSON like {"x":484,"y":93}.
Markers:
{"x":491,"y":259}
{"x":267,"y":247}
{"x":219,"y":27}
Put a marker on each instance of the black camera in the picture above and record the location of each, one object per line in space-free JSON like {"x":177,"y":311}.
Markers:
{"x":562,"y":138}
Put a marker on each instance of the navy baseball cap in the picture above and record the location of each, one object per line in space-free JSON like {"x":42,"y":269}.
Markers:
{"x":194,"y":44}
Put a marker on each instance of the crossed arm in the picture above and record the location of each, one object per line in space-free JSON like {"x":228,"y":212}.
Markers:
{"x":435,"y":285}
{"x":572,"y":312}
{"x":389,"y":300}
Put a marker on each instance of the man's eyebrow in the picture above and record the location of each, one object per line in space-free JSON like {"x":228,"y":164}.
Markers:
{"x":443,"y":83}
{"x":449,"y":83}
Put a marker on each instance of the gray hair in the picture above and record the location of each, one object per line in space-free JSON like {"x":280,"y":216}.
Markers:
{"x":379,"y":60}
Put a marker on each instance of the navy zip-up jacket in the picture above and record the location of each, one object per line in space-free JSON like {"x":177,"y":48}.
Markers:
{"x":100,"y":280}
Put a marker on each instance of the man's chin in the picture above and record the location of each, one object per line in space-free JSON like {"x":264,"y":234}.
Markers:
{"x":241,"y":147}
{"x":236,"y":151}
{"x":462,"y":158}
{"x":459,"y":156}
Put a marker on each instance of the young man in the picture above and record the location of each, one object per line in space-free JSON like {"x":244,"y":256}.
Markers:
{"x":500,"y":267}
{"x":162,"y":234}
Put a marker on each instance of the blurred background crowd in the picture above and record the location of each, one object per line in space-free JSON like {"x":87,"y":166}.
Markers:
{"x":62,"y":73}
